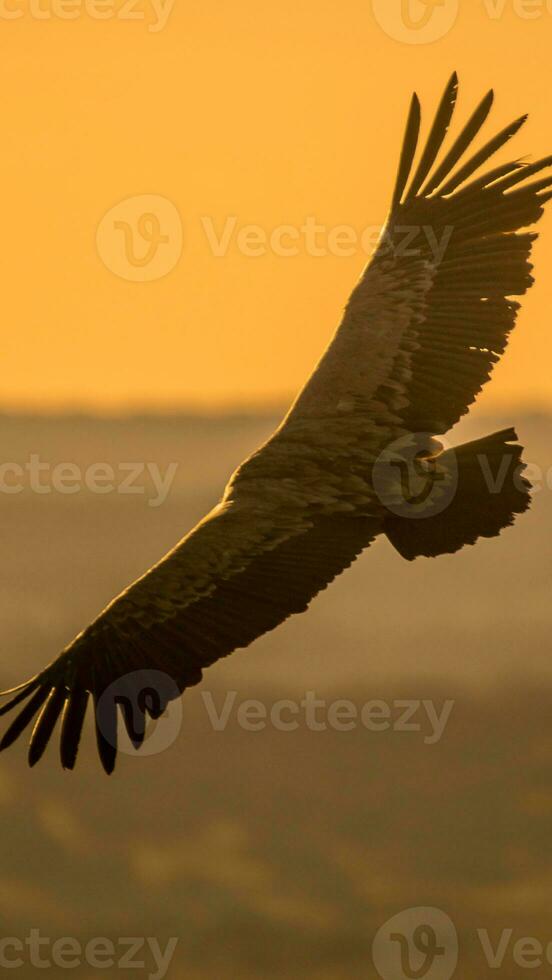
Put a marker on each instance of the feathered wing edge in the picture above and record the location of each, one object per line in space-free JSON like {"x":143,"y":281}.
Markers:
{"x":468,"y":310}
{"x":64,"y":689}
{"x":424,"y":183}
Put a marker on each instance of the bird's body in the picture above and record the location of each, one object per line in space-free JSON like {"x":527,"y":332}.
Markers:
{"x":417,"y":341}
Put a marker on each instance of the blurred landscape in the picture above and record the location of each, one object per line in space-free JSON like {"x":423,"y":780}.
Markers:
{"x":281,"y":853}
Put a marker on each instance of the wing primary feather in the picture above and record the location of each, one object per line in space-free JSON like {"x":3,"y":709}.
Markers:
{"x":45,"y":723}
{"x":535,"y":187}
{"x":24,"y":717}
{"x":71,"y":726}
{"x":134,"y":721}
{"x":474,"y":162}
{"x":460,"y":145}
{"x":524,"y":171}
{"x":105,"y":716}
{"x":435,"y":139}
{"x":132,"y":710}
{"x":26,"y":685}
{"x":126,"y":692}
{"x":490,"y":179}
{"x":410,"y":143}
{"x":24,"y":691}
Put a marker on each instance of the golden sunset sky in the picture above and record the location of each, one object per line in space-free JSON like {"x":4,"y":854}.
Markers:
{"x":261,"y":113}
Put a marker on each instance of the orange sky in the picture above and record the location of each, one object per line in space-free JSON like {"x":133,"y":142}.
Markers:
{"x":267,"y":111}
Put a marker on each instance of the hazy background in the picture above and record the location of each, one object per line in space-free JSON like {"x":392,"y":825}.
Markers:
{"x":281,"y":853}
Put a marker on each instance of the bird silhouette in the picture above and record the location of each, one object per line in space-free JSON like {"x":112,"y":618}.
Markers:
{"x":355,"y":457}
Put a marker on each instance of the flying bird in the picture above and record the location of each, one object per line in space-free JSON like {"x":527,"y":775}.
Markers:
{"x":418,"y":338}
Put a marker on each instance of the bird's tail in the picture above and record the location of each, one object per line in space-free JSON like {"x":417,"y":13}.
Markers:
{"x":484,"y":490}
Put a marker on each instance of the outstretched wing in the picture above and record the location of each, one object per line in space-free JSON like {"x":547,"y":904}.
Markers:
{"x":231,"y":580}
{"x":418,"y":338}
{"x":433,"y":310}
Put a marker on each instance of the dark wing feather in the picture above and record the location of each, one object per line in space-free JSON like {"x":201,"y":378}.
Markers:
{"x":105,"y":717}
{"x":474,"y":162}
{"x":410,"y":143}
{"x":463,"y":141}
{"x":71,"y":726}
{"x":46,"y":723}
{"x":26,"y":714}
{"x":435,"y":139}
